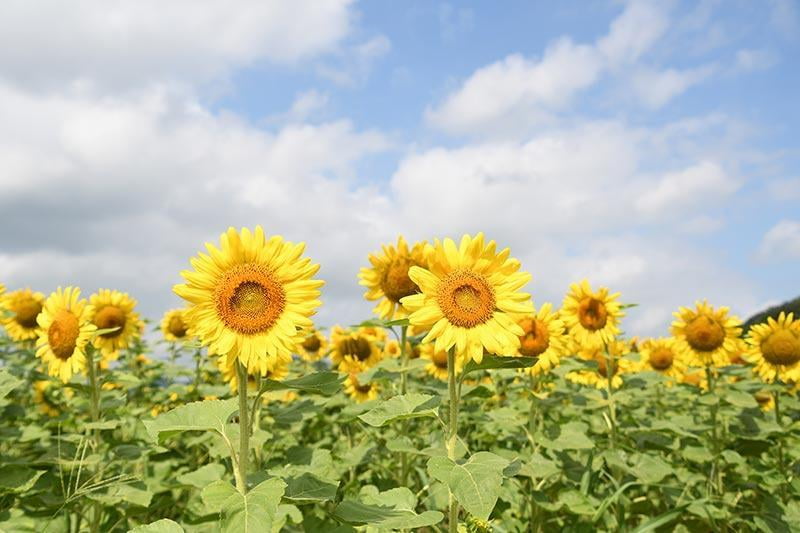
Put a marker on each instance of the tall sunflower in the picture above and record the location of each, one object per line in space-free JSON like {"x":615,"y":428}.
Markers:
{"x":361,"y":344}
{"x":387,"y":279}
{"x":544,"y":339}
{"x":174,"y":326}
{"x":65,"y":329}
{"x":311,"y":345}
{"x":249,"y":297}
{"x":114,"y":309}
{"x":470,"y":298}
{"x":706,"y":336}
{"x":437,"y":361}
{"x":591,"y":316}
{"x":600,"y":377}
{"x":21,"y":309}
{"x":775,"y":348}
{"x":662,"y":356}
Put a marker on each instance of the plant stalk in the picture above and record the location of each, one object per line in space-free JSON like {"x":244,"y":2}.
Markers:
{"x":452,"y":432}
{"x":403,"y":389}
{"x":611,"y":371}
{"x":244,"y":429}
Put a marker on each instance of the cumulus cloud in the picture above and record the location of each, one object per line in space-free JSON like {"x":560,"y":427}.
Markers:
{"x":700,"y":184}
{"x":655,"y":88}
{"x":781,"y":242}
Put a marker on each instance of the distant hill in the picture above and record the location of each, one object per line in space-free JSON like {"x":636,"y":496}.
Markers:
{"x":792,"y":306}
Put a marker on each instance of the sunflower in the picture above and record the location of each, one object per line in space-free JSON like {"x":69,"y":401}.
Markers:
{"x":21,"y":309}
{"x":775,"y":348}
{"x":599,"y":378}
{"x":766,"y":401}
{"x":248,"y":298}
{"x":174,"y":326}
{"x":706,"y":336}
{"x":361,"y":344}
{"x":311,"y":345}
{"x":46,"y":404}
{"x":227,"y":367}
{"x":662,"y":356}
{"x":114,"y":309}
{"x":470,"y":298}
{"x":359,"y":392}
{"x":695,"y":378}
{"x":387,"y":279}
{"x":544,"y":339}
{"x":65,"y":329}
{"x":437,"y":365}
{"x":591,"y":317}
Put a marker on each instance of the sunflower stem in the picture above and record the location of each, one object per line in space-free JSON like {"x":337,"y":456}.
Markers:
{"x":612,"y":410}
{"x":781,"y":466}
{"x":94,"y":392}
{"x":452,"y":432}
{"x":197,"y":372}
{"x":715,"y":479}
{"x":244,"y":429}
{"x":403,"y":389}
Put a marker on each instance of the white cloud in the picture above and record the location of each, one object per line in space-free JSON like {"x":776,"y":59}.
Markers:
{"x":355,"y":63}
{"x":781,"y":242}
{"x":634,"y":32}
{"x":654,"y":88}
{"x":701,"y":184}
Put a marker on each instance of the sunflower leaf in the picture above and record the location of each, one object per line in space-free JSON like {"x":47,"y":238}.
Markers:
{"x":324,"y":383}
{"x":401,"y":407}
{"x":491,"y":362}
{"x":209,"y":415}
{"x":164,"y":525}
{"x":250,"y":513}
{"x":7,"y":383}
{"x":307,"y":488}
{"x":383,"y":516}
{"x":475,"y":483}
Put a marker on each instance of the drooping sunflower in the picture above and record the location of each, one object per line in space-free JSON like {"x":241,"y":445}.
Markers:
{"x":360,"y":392}
{"x":248,"y":298}
{"x":663,"y":356}
{"x":361,"y":344}
{"x":174,"y":325}
{"x":437,"y":365}
{"x":599,"y":378}
{"x":387,"y":279}
{"x":114,"y":309}
{"x":706,"y":336}
{"x":470,"y":298}
{"x":227,"y":367}
{"x":775,"y":348}
{"x":65,"y":329}
{"x":544,"y":339}
{"x":311,"y":345}
{"x":21,"y":309}
{"x":591,"y":317}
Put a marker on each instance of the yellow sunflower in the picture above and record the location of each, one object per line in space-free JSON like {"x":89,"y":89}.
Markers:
{"x":470,"y":298}
{"x":437,"y":366}
{"x":227,"y":367}
{"x":775,"y":348}
{"x":695,"y":378}
{"x":46,"y":405}
{"x":706,"y":336}
{"x":766,"y":401}
{"x":174,"y":326}
{"x":21,"y":309}
{"x":249,"y":297}
{"x":311,"y":345}
{"x":114,"y":309}
{"x":361,"y":344}
{"x":387,"y":279}
{"x":360,"y":392}
{"x":544,"y":339}
{"x":65,"y":329}
{"x":599,"y":378}
{"x":591,"y":317}
{"x":662,"y":356}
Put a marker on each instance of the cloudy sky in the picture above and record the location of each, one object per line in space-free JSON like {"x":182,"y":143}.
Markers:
{"x":649,"y":146}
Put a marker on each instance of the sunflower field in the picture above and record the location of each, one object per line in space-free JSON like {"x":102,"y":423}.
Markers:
{"x":459,"y":406}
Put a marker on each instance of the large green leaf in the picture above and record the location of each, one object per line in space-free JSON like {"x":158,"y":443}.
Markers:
{"x":475,"y":483}
{"x":210,"y":415}
{"x":7,"y":383}
{"x":17,"y":478}
{"x":161,"y":526}
{"x":307,"y":488}
{"x":491,"y":362}
{"x":253,"y":513}
{"x":571,"y":436}
{"x":383,"y":516}
{"x":325,"y":383}
{"x":203,"y":476}
{"x":401,"y":407}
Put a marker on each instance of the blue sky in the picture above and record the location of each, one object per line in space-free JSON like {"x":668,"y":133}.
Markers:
{"x":650,"y":146}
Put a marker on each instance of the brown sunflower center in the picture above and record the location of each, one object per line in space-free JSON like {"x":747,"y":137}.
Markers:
{"x":781,"y":348}
{"x":661,"y":358}
{"x":762,"y":398}
{"x":440,"y":359}
{"x":536,"y":339}
{"x":26,"y":312}
{"x":108,"y":317}
{"x":312,"y":343}
{"x":395,"y":282}
{"x":177,"y":326}
{"x":363,"y":389}
{"x":466,"y":299}
{"x":705,"y":334}
{"x":359,"y":348}
{"x":249,"y":299}
{"x":592,"y":313}
{"x":62,"y":335}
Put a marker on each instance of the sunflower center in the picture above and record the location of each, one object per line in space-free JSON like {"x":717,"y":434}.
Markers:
{"x":395,"y":282}
{"x":312,"y":343}
{"x":109,"y":317}
{"x":661,"y":358}
{"x":363,"y":389}
{"x":249,"y":299}
{"x":762,"y":398}
{"x":440,"y":359}
{"x":592,"y":313}
{"x":705,"y":334}
{"x":358,"y":348}
{"x":62,"y":335}
{"x":536,"y":339}
{"x":26,"y":313}
{"x":177,"y":326}
{"x":781,"y":348}
{"x":466,"y":299}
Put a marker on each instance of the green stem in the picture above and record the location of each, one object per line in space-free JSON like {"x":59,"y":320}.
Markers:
{"x":197,"y":373}
{"x":715,"y":477}
{"x":94,"y":393}
{"x":403,"y":389}
{"x":244,"y":429}
{"x":611,"y":371}
{"x":781,"y":465}
{"x":452,"y":432}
